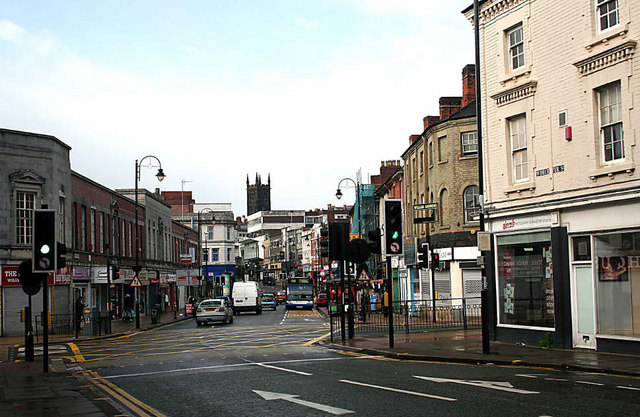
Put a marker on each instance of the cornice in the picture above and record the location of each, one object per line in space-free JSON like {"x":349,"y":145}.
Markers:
{"x":606,"y":58}
{"x":516,"y":93}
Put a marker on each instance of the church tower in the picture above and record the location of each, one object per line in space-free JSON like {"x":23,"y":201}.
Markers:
{"x":258,"y":195}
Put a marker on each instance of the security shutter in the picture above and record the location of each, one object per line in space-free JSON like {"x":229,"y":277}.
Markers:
{"x":472,"y":282}
{"x":15,"y":300}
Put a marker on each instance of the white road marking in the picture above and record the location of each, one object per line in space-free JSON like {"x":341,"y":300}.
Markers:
{"x":419,"y":394}
{"x":589,"y":383}
{"x":269,"y":396}
{"x":500,"y":386}
{"x":527,"y":376}
{"x":630,"y":388}
{"x":236,"y":365}
{"x":556,"y":379}
{"x":281,"y":369}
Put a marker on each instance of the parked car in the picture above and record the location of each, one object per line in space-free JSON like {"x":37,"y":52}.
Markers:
{"x":269,"y":301}
{"x":281,"y":297}
{"x":246,"y":296}
{"x":213,"y":311}
{"x":321,"y":299}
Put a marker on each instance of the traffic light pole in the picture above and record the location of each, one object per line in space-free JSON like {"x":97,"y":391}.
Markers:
{"x":342,"y":318}
{"x":390,"y":301}
{"x":350,"y":315}
{"x":45,"y":324}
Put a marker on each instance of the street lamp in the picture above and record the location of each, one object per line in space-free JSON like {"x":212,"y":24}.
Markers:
{"x":160,"y":176}
{"x":205,"y":272}
{"x":339,"y":196}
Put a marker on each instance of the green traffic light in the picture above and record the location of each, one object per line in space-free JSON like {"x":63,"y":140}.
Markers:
{"x":44,"y":249}
{"x":395,"y":235}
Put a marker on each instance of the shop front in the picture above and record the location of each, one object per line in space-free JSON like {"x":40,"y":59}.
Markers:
{"x":531,"y":279}
{"x":606,"y":290}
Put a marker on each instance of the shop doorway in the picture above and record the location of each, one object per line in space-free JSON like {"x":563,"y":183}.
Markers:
{"x":584,"y":310}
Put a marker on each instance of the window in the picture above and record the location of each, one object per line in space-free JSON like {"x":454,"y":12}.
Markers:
{"x":518,"y":137}
{"x":102,"y":232}
{"x":93,"y":229}
{"x":516,"y":47}
{"x":607,"y":14}
{"x":525,"y":280}
{"x":441,"y":148}
{"x":421,"y":162}
{"x":130,"y":240}
{"x":25,"y":204}
{"x":83,"y":228}
{"x":471,"y":204}
{"x":413,"y":172}
{"x":430,"y":153}
{"x":228,"y":254}
{"x":562,"y":118}
{"x":214,"y":255}
{"x":209,"y":232}
{"x":469,"y":143}
{"x":228,"y":233}
{"x":611,"y":133}
{"x":61,"y":220}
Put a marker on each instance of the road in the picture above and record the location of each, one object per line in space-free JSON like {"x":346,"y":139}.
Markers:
{"x":263,"y":365}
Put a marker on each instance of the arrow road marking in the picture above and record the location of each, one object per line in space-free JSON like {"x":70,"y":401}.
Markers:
{"x":500,"y":386}
{"x":269,"y":396}
{"x":419,"y":394}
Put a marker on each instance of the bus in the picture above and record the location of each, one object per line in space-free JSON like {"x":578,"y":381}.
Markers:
{"x":299,"y":293}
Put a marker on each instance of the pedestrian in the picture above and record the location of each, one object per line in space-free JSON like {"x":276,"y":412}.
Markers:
{"x":79,"y":310}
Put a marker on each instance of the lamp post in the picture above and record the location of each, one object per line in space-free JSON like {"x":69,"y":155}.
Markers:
{"x":160,"y":175}
{"x":351,"y":293}
{"x":205,"y":272}
{"x":339,"y":196}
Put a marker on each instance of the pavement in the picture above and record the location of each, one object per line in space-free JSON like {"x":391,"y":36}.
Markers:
{"x":25,"y":390}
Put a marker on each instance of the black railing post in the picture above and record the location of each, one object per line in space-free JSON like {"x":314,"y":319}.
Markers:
{"x":464,"y":312}
{"x":406,"y":316}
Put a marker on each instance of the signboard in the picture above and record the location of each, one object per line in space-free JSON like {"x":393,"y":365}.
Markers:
{"x":364,"y":275}
{"x":185,"y":258}
{"x":10,"y":276}
{"x":426,"y":206}
{"x":135,"y":282}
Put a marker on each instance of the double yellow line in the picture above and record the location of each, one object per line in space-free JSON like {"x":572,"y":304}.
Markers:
{"x":133,"y":404}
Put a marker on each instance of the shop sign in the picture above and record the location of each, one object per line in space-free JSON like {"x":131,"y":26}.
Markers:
{"x":10,"y":276}
{"x":80,"y":273}
{"x":99,"y":275}
{"x":171,"y":277}
{"x":446,"y":254}
{"x":543,"y":220}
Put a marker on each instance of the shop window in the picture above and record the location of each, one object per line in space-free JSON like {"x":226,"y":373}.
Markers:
{"x":618,"y":283}
{"x":525,"y":280}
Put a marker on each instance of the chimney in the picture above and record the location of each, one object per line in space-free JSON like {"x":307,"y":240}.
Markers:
{"x":449,"y":105}
{"x":414,"y":138}
{"x":429,"y":120}
{"x":468,"y":84}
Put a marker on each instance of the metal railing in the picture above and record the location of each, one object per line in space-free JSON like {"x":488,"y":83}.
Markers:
{"x":63,"y":326}
{"x":412,"y":316}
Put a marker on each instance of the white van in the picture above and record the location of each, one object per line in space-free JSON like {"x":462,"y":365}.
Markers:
{"x":246,"y":296}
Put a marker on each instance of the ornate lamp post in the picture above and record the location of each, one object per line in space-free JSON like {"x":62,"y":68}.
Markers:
{"x":160,"y":175}
{"x":205,"y":271}
{"x":339,"y":196}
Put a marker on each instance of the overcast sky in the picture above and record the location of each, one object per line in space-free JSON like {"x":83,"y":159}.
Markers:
{"x":307,"y":91}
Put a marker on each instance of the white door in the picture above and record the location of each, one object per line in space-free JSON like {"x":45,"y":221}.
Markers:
{"x":584,"y":330}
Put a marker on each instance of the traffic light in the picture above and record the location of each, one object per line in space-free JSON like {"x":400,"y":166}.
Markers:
{"x":435,"y":260}
{"x":393,"y":227}
{"x":375,"y":240}
{"x":423,"y":256}
{"x":30,"y":281}
{"x":324,"y":243}
{"x":61,"y":255}
{"x":44,"y":241}
{"x":338,"y":241}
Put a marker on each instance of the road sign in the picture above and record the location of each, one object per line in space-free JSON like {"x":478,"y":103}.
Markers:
{"x":135,"y":282}
{"x":364,"y":275}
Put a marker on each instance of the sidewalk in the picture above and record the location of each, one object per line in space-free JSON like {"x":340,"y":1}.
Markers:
{"x":460,"y":346}
{"x":25,"y":390}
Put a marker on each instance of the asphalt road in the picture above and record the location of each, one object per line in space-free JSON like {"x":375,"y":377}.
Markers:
{"x":261,"y":365}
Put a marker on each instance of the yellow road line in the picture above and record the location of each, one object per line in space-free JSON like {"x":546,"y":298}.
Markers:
{"x":317,"y":339}
{"x":78,"y":356}
{"x":138,"y":407}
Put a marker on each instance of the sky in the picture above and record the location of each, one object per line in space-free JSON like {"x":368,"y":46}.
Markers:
{"x":308,"y":92}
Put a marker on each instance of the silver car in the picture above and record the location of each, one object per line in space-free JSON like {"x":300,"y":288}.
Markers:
{"x":213,"y":311}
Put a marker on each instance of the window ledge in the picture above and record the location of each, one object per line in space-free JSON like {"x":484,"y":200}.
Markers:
{"x":519,"y":73}
{"x":443,"y":162}
{"x":520,"y":187}
{"x":466,"y":157}
{"x":604,"y":37}
{"x":611,"y":170}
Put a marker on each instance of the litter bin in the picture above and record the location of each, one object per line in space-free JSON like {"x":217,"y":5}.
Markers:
{"x":155,"y":313}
